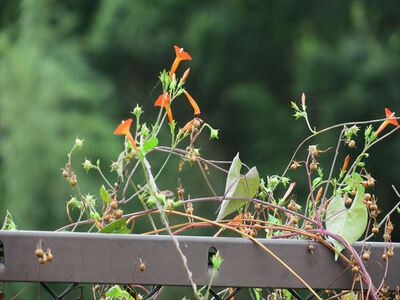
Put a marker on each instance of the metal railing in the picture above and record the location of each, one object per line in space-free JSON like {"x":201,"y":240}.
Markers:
{"x":115,"y":258}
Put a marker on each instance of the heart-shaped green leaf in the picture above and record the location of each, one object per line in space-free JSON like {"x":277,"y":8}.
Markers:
{"x":348,"y":223}
{"x":238,"y":186}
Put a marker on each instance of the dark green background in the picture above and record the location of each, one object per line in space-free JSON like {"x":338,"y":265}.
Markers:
{"x":76,"y":68}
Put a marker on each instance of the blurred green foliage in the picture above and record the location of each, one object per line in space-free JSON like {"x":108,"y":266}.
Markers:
{"x":76,"y":68}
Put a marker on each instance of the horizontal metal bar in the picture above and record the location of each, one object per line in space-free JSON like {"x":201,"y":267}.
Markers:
{"x":114,"y":258}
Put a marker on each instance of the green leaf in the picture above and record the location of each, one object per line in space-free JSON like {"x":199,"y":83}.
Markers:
{"x":288,"y":295}
{"x":238,"y":186}
{"x":150,"y":144}
{"x":298,"y":115}
{"x":115,"y":292}
{"x":294,"y":106}
{"x":104,"y":194}
{"x":348,"y":223}
{"x":350,"y":296}
{"x":8,"y":223}
{"x":118,"y":226}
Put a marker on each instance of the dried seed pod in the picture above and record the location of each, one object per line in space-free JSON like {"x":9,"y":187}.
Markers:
{"x":294,"y":165}
{"x":196,"y":123}
{"x":308,"y":226}
{"x":367,"y":197}
{"x":39,"y":252}
{"x":384,"y":290}
{"x":389,"y":227}
{"x":348,"y":202}
{"x":355,"y":269}
{"x":49,"y":255}
{"x":253,"y":233}
{"x":142,"y":266}
{"x":313,"y":150}
{"x":375,"y":229}
{"x":114,"y":204}
{"x":390,"y":252}
{"x":371,"y":182}
{"x":43,"y":259}
{"x":73,"y":180}
{"x":192,"y":157}
{"x":373,"y":214}
{"x":366,"y":255}
{"x":373,"y":207}
{"x":119,"y":213}
{"x":313,"y":166}
{"x":351,"y":144}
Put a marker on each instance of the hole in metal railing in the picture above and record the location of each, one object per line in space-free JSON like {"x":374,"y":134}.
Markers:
{"x":1,"y":256}
{"x":211,"y":252}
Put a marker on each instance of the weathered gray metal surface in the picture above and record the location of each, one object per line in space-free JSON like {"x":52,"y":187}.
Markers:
{"x":113,"y":258}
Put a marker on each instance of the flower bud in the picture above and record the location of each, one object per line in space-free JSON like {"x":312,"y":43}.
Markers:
{"x":79,"y":143}
{"x":303,"y":101}
{"x":213,"y":133}
{"x":185,"y":76}
{"x":137,"y":111}
{"x":73,"y":202}
{"x":87,"y":165}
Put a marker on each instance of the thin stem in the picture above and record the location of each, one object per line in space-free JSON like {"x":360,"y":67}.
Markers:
{"x":129,"y":180}
{"x":325,"y":130}
{"x":332,"y":167}
{"x":317,"y":218}
{"x":104,"y":177}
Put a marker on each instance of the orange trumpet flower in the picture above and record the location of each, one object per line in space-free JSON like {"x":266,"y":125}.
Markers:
{"x":192,"y":103}
{"x":180,"y":55}
{"x":124,"y":129}
{"x":389,"y":120}
{"x":163,"y":100}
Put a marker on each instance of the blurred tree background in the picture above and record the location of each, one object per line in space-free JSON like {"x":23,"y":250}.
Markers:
{"x":76,"y":68}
